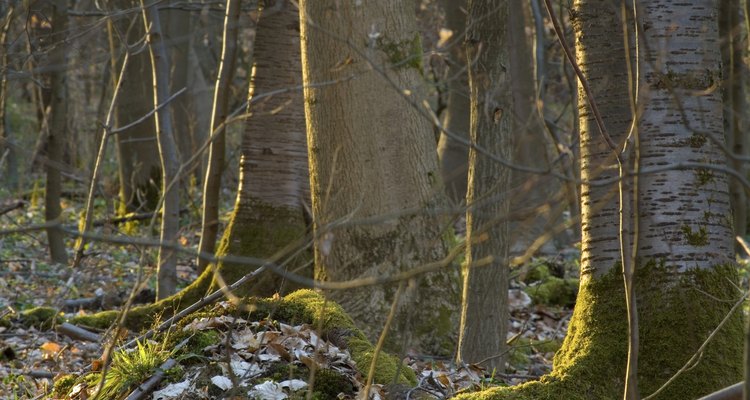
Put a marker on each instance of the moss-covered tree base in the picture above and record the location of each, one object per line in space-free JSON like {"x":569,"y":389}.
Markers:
{"x":256,"y":230}
{"x":676,"y":311}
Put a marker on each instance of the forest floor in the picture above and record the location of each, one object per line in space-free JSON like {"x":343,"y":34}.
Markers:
{"x":541,"y":299}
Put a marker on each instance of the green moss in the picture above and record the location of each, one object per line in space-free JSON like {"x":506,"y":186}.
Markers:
{"x":676,"y":312}
{"x":695,"y":238}
{"x":537,"y":273}
{"x":40,"y":317}
{"x":555,"y":291}
{"x":328,"y":384}
{"x":703,"y":176}
{"x":62,"y":386}
{"x":100,"y":320}
{"x":522,"y":348}
{"x":697,"y":140}
{"x":312,"y":308}
{"x":403,"y":53}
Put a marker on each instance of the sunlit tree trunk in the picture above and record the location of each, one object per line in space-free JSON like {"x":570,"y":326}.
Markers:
{"x":372,"y":157}
{"x":268,"y":217}
{"x":58,"y":128}
{"x":484,"y":316}
{"x":684,"y":278}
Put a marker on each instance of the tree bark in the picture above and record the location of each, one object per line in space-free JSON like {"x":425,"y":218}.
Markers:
{"x":139,"y":168}
{"x":484,"y":316}
{"x":268,"y":217}
{"x":217,"y":149}
{"x":684,"y":274}
{"x":7,"y":152}
{"x":454,"y":156}
{"x":733,"y":52}
{"x":373,"y":167}
{"x":168,"y":155}
{"x":58,"y":128}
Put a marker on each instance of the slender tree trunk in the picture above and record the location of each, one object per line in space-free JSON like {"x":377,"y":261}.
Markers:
{"x":177,"y":32}
{"x":684,"y":278}
{"x":453,"y":155}
{"x":170,"y":162}
{"x":7,"y":151}
{"x":534,"y":194}
{"x":372,"y":157}
{"x":212,"y":186}
{"x":733,"y":51}
{"x":58,"y":128}
{"x":139,"y":168}
{"x":484,"y":316}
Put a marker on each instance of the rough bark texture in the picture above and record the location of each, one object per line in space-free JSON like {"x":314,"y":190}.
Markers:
{"x":58,"y":128}
{"x":139,"y":167}
{"x":168,"y":155}
{"x":372,"y":156}
{"x":484,"y":316}
{"x":217,"y":149}
{"x":454,"y":156}
{"x":683,"y":280}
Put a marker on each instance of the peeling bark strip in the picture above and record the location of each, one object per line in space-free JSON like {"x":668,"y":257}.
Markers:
{"x":687,"y":222}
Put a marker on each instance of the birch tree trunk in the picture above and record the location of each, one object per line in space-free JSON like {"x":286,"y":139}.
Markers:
{"x":372,"y":157}
{"x":484,"y":316}
{"x":684,"y":278}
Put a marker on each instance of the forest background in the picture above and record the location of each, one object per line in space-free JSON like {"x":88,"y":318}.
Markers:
{"x":451,"y":177}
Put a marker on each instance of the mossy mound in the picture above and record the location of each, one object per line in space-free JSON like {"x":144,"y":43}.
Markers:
{"x":676,"y":311}
{"x":555,"y":291}
{"x":298,"y":308}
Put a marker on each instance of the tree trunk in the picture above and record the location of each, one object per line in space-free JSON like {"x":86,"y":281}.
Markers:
{"x":58,"y":128}
{"x":8,"y":163}
{"x":373,"y":167}
{"x":453,"y":155}
{"x":168,"y":155}
{"x":139,"y":168}
{"x":733,"y":51}
{"x":268,"y":217}
{"x":484,"y":316}
{"x":684,"y":274}
{"x":534,"y":194}
{"x":217,"y":149}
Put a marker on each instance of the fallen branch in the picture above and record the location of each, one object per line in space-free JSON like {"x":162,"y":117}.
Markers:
{"x":6,"y":208}
{"x":733,"y":392}
{"x":76,"y":332}
{"x":34,"y":373}
{"x":194,"y":307}
{"x":147,"y":387}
